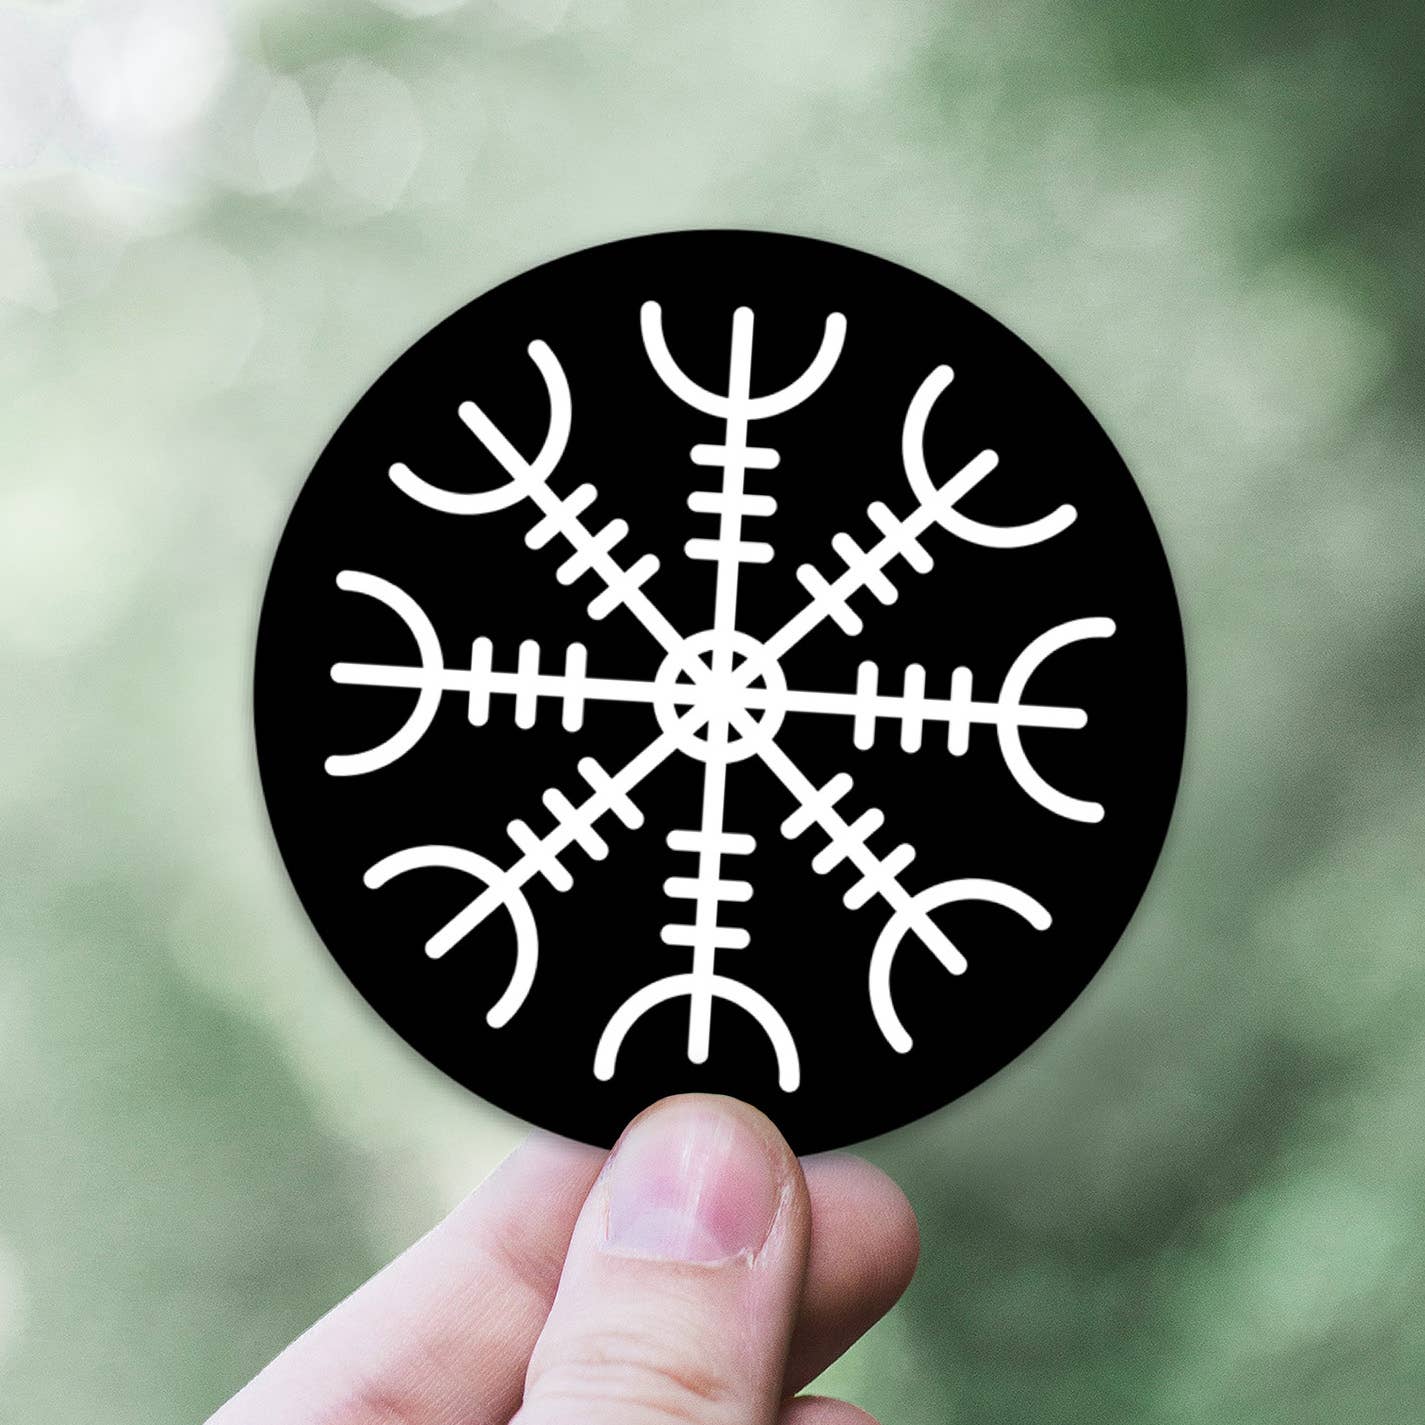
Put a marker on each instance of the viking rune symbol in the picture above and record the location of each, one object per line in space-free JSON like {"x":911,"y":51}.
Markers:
{"x":720,"y":696}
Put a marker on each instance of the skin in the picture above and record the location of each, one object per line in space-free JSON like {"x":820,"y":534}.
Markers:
{"x":699,"y":1273}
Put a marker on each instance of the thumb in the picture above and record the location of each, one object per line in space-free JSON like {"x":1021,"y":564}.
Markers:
{"x":683,"y":1277}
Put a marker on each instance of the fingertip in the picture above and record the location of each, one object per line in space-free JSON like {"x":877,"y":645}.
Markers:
{"x":863,"y":1252}
{"x":822,"y":1410}
{"x":698,"y":1178}
{"x":847,"y":1189}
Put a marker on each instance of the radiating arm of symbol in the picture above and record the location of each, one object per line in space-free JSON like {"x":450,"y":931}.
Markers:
{"x":573,"y":688}
{"x":912,"y":709}
{"x":510,"y":896}
{"x":430,"y":678}
{"x":426,"y":676}
{"x":481,"y":681}
{"x":734,"y":456}
{"x":866,"y":568}
{"x":881,"y":876}
{"x":708,"y":889}
{"x":889,"y":940}
{"x":559,"y":514}
{"x":900,"y":538}
{"x":572,"y":825}
{"x":704,"y":934}
{"x":847,"y":841}
{"x":719,"y":987}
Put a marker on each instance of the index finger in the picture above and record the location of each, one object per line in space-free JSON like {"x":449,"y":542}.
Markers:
{"x":443,"y":1334}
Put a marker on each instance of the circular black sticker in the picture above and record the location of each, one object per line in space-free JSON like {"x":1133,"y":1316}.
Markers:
{"x":720,"y":661}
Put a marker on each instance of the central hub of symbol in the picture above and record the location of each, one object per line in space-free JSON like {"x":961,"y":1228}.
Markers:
{"x":727,"y":711}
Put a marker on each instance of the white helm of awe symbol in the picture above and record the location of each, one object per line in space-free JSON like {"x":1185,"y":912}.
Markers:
{"x":720,"y":696}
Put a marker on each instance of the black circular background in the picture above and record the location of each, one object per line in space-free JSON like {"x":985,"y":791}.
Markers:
{"x":840,"y":450}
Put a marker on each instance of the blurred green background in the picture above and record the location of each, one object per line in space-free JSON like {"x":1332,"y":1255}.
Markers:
{"x":1201,"y":1197}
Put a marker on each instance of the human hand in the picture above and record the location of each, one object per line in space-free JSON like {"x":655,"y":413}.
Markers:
{"x":697,"y":1274}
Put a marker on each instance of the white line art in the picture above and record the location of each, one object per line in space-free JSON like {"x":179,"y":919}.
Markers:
{"x":916,"y":911}
{"x":719,"y":696}
{"x":561,"y":515}
{"x":526,"y":937}
{"x":427,"y":645}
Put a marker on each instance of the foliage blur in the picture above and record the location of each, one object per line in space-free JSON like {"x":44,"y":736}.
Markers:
{"x":1201,"y":1198}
